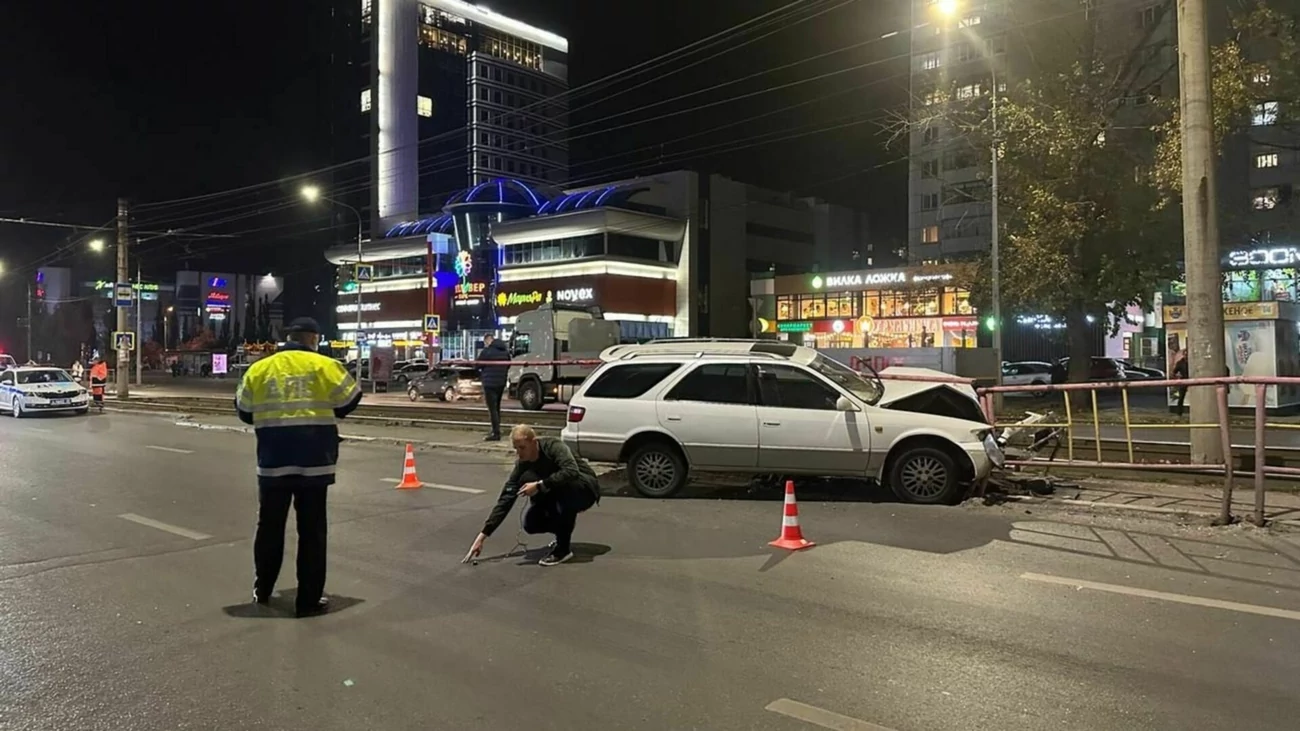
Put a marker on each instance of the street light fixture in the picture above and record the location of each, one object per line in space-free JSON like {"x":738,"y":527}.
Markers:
{"x":312,"y":193}
{"x":947,"y":8}
{"x":96,"y":245}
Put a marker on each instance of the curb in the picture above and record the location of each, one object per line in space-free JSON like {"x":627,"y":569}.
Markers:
{"x":1149,"y":509}
{"x":397,"y":441}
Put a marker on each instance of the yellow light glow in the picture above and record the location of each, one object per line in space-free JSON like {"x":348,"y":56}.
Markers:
{"x":947,"y":8}
{"x":311,"y":193}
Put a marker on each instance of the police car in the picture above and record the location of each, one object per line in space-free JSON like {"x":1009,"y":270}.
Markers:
{"x":27,"y":390}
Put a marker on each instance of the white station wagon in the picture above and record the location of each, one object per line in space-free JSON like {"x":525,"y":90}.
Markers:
{"x":667,"y":408}
{"x":26,"y":390}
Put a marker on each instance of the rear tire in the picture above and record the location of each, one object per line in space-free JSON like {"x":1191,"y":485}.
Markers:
{"x":530,"y":395}
{"x":927,"y":476}
{"x":413,"y":394}
{"x":657,"y":469}
{"x":449,"y":394}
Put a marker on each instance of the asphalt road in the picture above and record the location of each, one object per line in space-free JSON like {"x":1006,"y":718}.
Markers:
{"x":677,"y":616}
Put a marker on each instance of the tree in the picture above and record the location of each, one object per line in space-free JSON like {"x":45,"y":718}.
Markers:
{"x":1087,"y":160}
{"x":250,"y":320}
{"x":224,"y":339}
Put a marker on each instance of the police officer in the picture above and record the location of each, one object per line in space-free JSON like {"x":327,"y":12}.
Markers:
{"x":293,"y":399}
{"x":558,"y":484}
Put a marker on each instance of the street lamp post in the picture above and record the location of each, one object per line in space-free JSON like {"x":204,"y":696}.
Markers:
{"x":312,"y":193}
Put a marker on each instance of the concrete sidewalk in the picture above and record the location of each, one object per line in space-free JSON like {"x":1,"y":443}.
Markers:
{"x":1202,"y":499}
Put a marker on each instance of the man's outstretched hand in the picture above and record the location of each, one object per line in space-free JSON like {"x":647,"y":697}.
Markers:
{"x":475,"y":549}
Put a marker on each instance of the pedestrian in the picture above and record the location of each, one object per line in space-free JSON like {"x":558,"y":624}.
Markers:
{"x":1180,"y":373}
{"x":98,"y":382}
{"x":293,"y":399}
{"x":493,"y":379}
{"x":558,"y":485}
{"x":77,"y":370}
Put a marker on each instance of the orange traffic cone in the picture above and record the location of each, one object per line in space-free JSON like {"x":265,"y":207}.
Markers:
{"x":409,"y":480}
{"x":791,"y":536}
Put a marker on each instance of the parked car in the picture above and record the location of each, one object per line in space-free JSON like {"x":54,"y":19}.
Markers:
{"x":668,"y":408}
{"x":448,"y":383}
{"x":1133,"y":370}
{"x":1026,"y":373}
{"x":410,"y":372}
{"x":7,"y":361}
{"x":1101,"y":369}
{"x":27,"y":390}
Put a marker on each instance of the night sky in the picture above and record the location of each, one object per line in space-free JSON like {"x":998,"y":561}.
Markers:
{"x":160,"y":100}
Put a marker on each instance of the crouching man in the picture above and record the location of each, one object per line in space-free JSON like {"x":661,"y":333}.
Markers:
{"x":558,"y":485}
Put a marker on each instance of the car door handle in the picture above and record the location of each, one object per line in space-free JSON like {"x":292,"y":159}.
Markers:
{"x":771,"y":423}
{"x":672,"y":418}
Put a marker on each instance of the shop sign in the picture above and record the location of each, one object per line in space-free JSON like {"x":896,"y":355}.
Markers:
{"x":512,"y":299}
{"x":906,"y":325}
{"x":1279,"y":256}
{"x":961,"y":323}
{"x":577,"y":294}
{"x":365,"y":307}
{"x":469,"y":293}
{"x":857,"y":280}
{"x":138,"y":286}
{"x":1251,"y":311}
{"x":798,"y":326}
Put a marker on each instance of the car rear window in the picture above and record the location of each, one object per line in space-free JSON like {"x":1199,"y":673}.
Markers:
{"x":630,"y":381}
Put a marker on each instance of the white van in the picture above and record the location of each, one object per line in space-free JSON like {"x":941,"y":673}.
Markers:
{"x":667,"y":408}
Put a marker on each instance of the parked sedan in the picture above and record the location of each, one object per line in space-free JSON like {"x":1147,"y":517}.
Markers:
{"x":410,"y":372}
{"x":448,"y":383}
{"x":1026,"y":373}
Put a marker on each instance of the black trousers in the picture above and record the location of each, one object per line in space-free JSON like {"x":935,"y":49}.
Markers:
{"x":308,"y":500}
{"x":556,"y":512}
{"x":492,"y":397}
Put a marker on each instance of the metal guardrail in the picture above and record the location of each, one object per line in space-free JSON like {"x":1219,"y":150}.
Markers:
{"x":432,"y":416}
{"x":1257,"y":459}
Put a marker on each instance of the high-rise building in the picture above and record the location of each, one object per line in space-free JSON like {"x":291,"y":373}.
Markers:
{"x":445,"y":94}
{"x":956,"y":58}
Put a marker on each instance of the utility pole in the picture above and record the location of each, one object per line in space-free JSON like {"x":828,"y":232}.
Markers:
{"x":994,"y":263}
{"x":139,"y":329}
{"x":1205,"y":348}
{"x":123,"y":275}
{"x":29,"y":322}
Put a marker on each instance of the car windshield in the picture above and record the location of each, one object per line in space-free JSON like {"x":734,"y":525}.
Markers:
{"x":50,"y":375}
{"x":846,"y":378}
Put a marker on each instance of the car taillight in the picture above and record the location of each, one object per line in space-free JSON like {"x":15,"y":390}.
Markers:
{"x":576,"y":413}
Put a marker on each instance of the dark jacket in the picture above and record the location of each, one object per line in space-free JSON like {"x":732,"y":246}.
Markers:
{"x":558,"y":470}
{"x":494,"y":376}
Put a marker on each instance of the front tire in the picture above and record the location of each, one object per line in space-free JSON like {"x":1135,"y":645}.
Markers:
{"x":16,"y":408}
{"x":530,"y":395}
{"x":413,"y":394}
{"x":927,"y":476}
{"x":657,"y":470}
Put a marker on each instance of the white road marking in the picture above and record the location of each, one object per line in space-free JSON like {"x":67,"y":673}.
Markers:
{"x":173,"y":529}
{"x":820,"y":716}
{"x":1165,"y":596}
{"x":451,"y":488}
{"x":40,"y":430}
{"x":169,"y":449}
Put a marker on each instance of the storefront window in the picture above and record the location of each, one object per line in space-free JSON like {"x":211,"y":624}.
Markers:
{"x":871,"y":304}
{"x":812,"y":306}
{"x":924,"y":303}
{"x":956,"y":302}
{"x":785,"y":308}
{"x":842,"y":305}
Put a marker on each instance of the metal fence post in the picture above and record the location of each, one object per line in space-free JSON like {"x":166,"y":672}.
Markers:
{"x":1261,"y":397}
{"x":1225,"y":438}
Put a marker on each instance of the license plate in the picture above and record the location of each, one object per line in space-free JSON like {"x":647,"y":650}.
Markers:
{"x":60,"y":401}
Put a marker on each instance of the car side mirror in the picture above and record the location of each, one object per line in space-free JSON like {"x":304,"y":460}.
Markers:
{"x":844,"y":404}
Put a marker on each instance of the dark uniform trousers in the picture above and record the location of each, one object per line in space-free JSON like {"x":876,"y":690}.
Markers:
{"x":307,"y":496}
{"x":556,"y":511}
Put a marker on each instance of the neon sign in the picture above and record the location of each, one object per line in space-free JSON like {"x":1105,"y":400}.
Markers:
{"x":469,"y":293}
{"x":578,"y":294}
{"x":1280,"y":256}
{"x":854,"y":280}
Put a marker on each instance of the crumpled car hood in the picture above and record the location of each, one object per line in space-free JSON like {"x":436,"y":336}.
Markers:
{"x":896,"y":390}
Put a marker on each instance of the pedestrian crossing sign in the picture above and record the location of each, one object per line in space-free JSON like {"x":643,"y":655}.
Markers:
{"x":432,"y":324}
{"x":123,"y":341}
{"x":365,"y":272}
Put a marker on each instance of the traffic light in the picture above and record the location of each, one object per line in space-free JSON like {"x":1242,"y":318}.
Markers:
{"x":345,"y":279}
